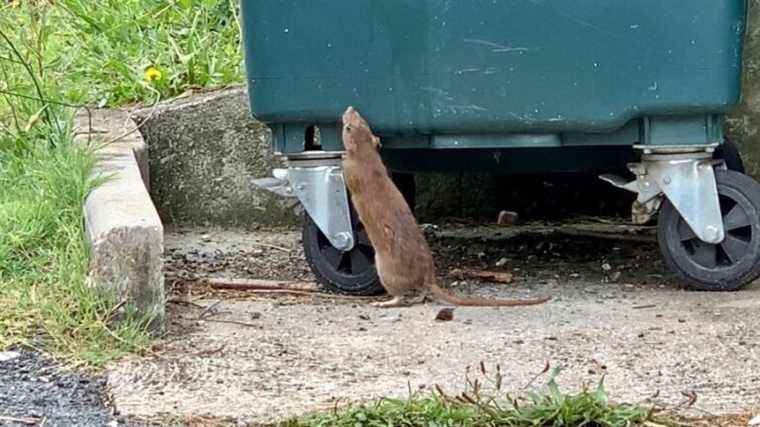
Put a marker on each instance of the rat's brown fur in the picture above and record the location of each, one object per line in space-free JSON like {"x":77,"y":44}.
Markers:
{"x":402,"y":256}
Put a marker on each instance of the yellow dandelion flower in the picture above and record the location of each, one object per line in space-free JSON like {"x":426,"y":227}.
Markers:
{"x":152,"y":74}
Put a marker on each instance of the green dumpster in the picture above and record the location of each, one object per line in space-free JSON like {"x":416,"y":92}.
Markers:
{"x":514,"y":86}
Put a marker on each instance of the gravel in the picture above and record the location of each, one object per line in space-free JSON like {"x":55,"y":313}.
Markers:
{"x":35,"y":390}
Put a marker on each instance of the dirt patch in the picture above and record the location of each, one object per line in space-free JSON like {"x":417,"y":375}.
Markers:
{"x":260,"y":358}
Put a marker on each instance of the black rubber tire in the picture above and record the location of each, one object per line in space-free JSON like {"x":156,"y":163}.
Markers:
{"x":729,"y":153}
{"x":350,"y":273}
{"x":730,"y":265}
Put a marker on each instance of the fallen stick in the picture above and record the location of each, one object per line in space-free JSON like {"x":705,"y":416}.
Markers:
{"x":277,"y":287}
{"x":489,"y":276}
{"x":267,"y":245}
{"x":22,"y":420}
{"x":180,"y":301}
{"x":258,"y":284}
{"x":234,"y":322}
{"x":623,"y":237}
{"x":307,"y":293}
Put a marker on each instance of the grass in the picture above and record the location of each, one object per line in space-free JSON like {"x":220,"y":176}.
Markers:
{"x":44,"y":300}
{"x":481,"y":406}
{"x":72,"y":53}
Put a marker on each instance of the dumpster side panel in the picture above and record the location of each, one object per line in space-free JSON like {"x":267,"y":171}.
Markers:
{"x":482,"y":66}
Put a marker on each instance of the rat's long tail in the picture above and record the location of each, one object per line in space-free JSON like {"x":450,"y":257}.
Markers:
{"x":443,"y":295}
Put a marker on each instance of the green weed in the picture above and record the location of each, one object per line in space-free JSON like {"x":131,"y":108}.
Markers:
{"x":486,"y":406}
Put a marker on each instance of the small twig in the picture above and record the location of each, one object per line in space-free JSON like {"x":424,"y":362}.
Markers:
{"x":180,"y":301}
{"x":208,"y":310}
{"x":234,"y":322}
{"x":546,"y":369}
{"x":247,"y":285}
{"x":489,"y":276}
{"x":691,"y":399}
{"x":52,"y":120}
{"x":209,"y":352}
{"x":267,"y":245}
{"x":138,"y":126}
{"x":113,"y":311}
{"x":48,"y":101}
{"x":23,"y":420}
{"x":638,"y":238}
{"x":641,"y":307}
{"x":308,"y":293}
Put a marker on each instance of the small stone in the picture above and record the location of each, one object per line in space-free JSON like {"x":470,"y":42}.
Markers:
{"x":6,"y":356}
{"x":428,"y":227}
{"x":502,"y":262}
{"x":681,"y":320}
{"x":574,"y":275}
{"x":615,"y":276}
{"x":754,"y":421}
{"x":518,"y":342}
{"x":606,"y":267}
{"x":507,"y":218}
{"x":364,"y":317}
{"x":206,"y":237}
{"x":445,"y":315}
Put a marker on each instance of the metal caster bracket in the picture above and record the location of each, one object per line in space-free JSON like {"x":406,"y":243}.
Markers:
{"x":686,"y":176}
{"x":316,"y":179}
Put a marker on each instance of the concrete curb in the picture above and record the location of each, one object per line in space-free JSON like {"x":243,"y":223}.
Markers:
{"x":124,"y":230}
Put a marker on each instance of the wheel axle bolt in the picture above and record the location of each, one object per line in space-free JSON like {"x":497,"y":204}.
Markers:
{"x":342,"y":240}
{"x":712,"y":234}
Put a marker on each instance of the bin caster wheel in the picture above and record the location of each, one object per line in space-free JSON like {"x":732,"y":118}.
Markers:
{"x":729,"y":265}
{"x":352,"y":272}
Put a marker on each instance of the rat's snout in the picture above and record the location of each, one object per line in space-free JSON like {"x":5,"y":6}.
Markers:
{"x":348,"y":115}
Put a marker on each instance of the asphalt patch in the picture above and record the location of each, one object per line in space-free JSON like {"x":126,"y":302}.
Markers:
{"x":34,"y":390}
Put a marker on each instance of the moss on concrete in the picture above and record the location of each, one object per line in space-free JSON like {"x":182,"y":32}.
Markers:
{"x":744,"y":123}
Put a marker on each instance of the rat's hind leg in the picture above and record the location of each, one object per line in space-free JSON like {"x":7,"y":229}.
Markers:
{"x":393,"y":302}
{"x":399,"y":301}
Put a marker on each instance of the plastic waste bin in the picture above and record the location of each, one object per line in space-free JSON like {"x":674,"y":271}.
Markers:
{"x":513,"y":86}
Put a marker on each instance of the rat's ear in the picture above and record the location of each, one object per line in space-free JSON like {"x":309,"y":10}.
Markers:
{"x":376,"y":142}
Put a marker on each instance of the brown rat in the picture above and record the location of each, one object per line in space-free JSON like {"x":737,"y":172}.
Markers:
{"x":402,"y":256}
